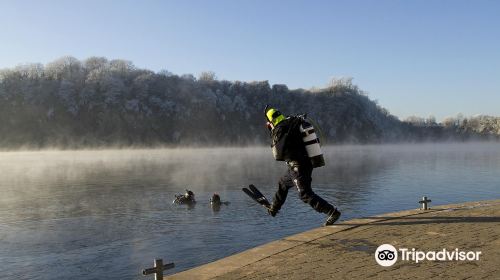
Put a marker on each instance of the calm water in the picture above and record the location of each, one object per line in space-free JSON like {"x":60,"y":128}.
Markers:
{"x":108,"y":214}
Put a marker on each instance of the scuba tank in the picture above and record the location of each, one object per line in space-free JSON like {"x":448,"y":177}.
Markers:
{"x":311,"y":143}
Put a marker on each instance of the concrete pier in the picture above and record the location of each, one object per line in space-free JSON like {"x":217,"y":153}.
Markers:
{"x":347,"y":250}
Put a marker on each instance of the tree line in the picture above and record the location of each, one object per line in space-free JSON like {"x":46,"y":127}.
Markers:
{"x":99,"y":102}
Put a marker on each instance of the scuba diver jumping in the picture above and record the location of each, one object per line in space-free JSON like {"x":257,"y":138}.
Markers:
{"x":187,"y":198}
{"x":294,"y":141}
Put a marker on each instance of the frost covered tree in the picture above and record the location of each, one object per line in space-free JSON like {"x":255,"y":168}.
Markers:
{"x":207,"y":76}
{"x":98,"y":102}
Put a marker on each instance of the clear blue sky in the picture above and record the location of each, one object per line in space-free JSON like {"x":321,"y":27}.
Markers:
{"x":414,"y":57}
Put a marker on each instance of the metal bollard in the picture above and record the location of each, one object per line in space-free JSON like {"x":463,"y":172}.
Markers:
{"x":158,"y":269}
{"x":424,"y":203}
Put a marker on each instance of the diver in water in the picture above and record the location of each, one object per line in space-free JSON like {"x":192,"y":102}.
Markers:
{"x":294,"y":141}
{"x":215,"y":200}
{"x":187,"y":198}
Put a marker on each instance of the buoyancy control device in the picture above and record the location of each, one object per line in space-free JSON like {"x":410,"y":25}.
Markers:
{"x":294,"y":135}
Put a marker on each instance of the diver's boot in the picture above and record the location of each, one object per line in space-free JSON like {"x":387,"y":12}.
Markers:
{"x":332,"y":217}
{"x":272,"y":211}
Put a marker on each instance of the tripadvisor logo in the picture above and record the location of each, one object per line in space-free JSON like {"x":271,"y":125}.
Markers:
{"x":387,"y":255}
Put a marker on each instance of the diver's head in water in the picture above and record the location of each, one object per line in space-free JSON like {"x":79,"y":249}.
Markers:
{"x":215,"y":199}
{"x":189,"y":194}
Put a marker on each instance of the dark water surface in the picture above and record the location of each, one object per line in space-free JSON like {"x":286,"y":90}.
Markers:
{"x":108,"y":214}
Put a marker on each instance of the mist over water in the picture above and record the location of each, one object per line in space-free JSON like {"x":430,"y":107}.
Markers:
{"x":88,"y":214}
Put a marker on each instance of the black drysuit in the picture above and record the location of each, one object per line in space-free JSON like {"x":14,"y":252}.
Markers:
{"x":288,"y":146}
